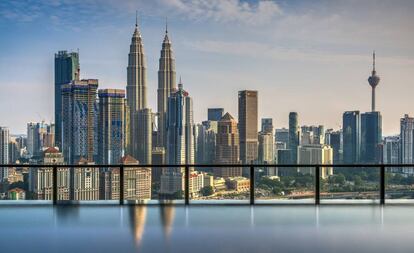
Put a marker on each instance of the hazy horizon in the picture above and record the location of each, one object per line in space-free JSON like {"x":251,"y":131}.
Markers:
{"x":310,"y":57}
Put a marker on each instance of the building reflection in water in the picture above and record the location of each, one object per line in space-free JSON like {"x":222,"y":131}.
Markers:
{"x":167,"y":213}
{"x":137,"y":215}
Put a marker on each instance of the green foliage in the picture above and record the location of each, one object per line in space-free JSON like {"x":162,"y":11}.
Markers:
{"x":207,"y":190}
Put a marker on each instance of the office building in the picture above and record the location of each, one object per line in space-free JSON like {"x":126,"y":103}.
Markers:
{"x":371,"y":137}
{"x":215,"y":114}
{"x":391,"y":152}
{"x":166,"y":86}
{"x":407,"y":142}
{"x":4,"y":152}
{"x":227,"y":149}
{"x":111,"y":123}
{"x":66,"y":70}
{"x":80,"y":120}
{"x":248,"y":116}
{"x":294,"y":136}
{"x":351,"y":131}
{"x":334,"y":139}
{"x":140,"y":115}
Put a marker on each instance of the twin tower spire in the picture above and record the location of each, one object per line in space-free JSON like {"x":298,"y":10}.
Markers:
{"x":140,"y":135}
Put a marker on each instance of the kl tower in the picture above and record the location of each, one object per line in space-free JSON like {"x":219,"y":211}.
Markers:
{"x":373,"y":80}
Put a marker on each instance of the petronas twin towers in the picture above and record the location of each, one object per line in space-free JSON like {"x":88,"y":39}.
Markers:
{"x":140,"y":116}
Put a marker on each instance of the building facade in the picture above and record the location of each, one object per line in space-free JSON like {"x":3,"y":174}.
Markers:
{"x":80,"y":120}
{"x":66,"y":70}
{"x":248,"y":117}
{"x":351,"y":130}
{"x":4,"y":152}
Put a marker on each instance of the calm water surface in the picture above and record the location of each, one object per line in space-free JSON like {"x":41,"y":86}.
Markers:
{"x":206,"y":229}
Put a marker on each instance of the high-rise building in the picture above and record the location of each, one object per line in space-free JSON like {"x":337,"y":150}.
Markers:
{"x":166,"y":86}
{"x":266,"y":151}
{"x":227,"y":149}
{"x":41,"y":179}
{"x":140,"y":116}
{"x":158,"y":158}
{"x":316,"y":154}
{"x":371,"y":136}
{"x":66,"y":70}
{"x":180,"y":140}
{"x":334,"y":139}
{"x":80,"y":120}
{"x":391,"y":151}
{"x":39,"y":136}
{"x":282,"y":135}
{"x":312,"y":135}
{"x":294,"y":136}
{"x":180,"y":128}
{"x":267,"y":125}
{"x":215,"y":114}
{"x":407,"y":142}
{"x":144,"y":134}
{"x":111,"y":124}
{"x":351,"y":136}
{"x":373,"y":81}
{"x":4,"y":151}
{"x":248,"y":116}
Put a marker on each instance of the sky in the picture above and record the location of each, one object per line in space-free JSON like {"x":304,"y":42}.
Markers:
{"x":312,"y":57}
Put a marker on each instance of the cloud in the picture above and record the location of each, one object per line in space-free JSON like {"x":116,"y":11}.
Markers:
{"x":257,"y":13}
{"x":270,"y":51}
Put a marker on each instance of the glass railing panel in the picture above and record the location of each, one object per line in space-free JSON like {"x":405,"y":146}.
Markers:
{"x":399,"y":184}
{"x":350,"y":184}
{"x":220,"y":185}
{"x":284,"y":185}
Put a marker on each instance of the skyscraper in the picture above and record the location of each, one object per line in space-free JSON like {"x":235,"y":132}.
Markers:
{"x":166,"y":85}
{"x":248,"y":126}
{"x":137,"y":101}
{"x":267,"y":125}
{"x":180,"y":128}
{"x":180,"y":141}
{"x":334,"y":139}
{"x":391,"y":151}
{"x":294,"y":136}
{"x":4,"y":151}
{"x":227,"y":149}
{"x":373,"y":81}
{"x":407,"y":141}
{"x":37,"y":138}
{"x":371,"y":136}
{"x":66,"y":70}
{"x":351,"y":137}
{"x":111,"y":124}
{"x":215,"y":114}
{"x":80,"y":120}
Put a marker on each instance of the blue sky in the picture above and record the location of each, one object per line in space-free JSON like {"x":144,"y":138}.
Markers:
{"x":313,"y":57}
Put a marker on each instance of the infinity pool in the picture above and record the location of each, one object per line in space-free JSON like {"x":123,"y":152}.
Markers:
{"x":206,"y":229}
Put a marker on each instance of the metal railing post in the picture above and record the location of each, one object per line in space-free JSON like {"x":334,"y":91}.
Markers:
{"x":55,"y":188}
{"x":251,"y":185}
{"x":317,"y":186}
{"x":382,"y":184}
{"x":121,"y":185}
{"x":187,"y":184}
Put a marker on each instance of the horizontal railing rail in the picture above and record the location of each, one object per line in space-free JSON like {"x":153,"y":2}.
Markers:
{"x":187,"y":167}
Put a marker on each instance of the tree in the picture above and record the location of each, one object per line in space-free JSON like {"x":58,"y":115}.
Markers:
{"x":207,"y":190}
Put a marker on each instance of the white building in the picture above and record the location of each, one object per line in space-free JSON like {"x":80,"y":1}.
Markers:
{"x":315,"y":154}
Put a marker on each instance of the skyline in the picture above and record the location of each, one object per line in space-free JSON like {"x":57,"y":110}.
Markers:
{"x":213,"y":60}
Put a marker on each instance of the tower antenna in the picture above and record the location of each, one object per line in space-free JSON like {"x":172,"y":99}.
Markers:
{"x":166,"y":24}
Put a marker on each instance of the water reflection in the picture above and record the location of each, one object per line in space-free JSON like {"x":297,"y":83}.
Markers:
{"x":137,"y":218}
{"x":167,"y":213}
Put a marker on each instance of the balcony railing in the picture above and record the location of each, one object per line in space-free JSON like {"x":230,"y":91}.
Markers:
{"x":313,"y":169}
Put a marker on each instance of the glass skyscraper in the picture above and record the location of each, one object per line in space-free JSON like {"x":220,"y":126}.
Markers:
{"x":66,"y":69}
{"x":371,"y":136}
{"x":351,"y":137}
